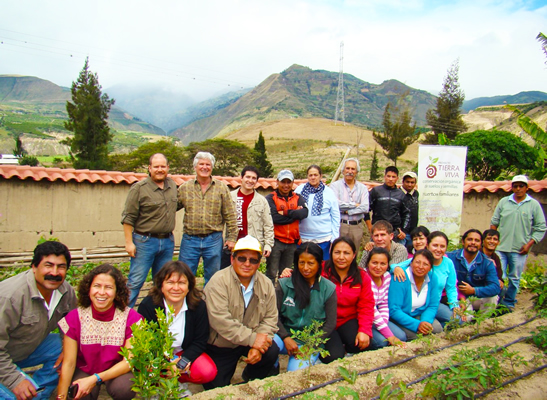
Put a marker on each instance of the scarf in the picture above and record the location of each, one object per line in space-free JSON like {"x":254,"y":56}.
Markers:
{"x":318,"y":198}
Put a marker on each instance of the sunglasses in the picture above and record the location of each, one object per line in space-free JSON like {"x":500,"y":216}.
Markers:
{"x":243,"y":260}
{"x":519,"y":185}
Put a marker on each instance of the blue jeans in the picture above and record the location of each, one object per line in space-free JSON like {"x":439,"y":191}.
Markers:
{"x":209,"y":247}
{"x":46,"y":353}
{"x":378,"y":340}
{"x":151,"y":253}
{"x":512,"y":265}
{"x":444,"y":314}
{"x":294,"y":363}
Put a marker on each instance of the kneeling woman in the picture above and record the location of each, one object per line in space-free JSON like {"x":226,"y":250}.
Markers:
{"x":413,"y":303}
{"x":175,"y":286}
{"x":303,"y":298}
{"x":94,"y":334}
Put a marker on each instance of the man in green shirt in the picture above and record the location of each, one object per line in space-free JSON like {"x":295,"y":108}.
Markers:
{"x":521,"y":223}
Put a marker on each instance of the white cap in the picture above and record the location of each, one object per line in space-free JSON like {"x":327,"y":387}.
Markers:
{"x":520,"y":178}
{"x":285,"y":174}
{"x":247,"y":243}
{"x":411,"y":174}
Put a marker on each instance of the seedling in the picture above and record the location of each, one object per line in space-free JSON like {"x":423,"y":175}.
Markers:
{"x":427,"y":342}
{"x":348,"y":376}
{"x":514,"y":358}
{"x":312,"y":341}
{"x":388,"y":391}
{"x":273,"y":388}
{"x":540,"y":338}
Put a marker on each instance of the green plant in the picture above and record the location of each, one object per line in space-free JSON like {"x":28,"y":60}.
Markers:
{"x":273,"y":388}
{"x":348,"y":376}
{"x":514,"y":358}
{"x":312,"y":341}
{"x":43,"y":239}
{"x":427,"y":342}
{"x":540,"y":338}
{"x":150,"y":357}
{"x":388,"y":391}
{"x":533,"y":275}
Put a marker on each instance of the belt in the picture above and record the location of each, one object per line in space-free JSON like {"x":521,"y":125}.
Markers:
{"x":345,"y":221}
{"x":202,"y":235}
{"x":154,"y":235}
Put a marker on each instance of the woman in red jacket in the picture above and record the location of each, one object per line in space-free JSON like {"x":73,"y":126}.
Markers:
{"x":355,"y":308}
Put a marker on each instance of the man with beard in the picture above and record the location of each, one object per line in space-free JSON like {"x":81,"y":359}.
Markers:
{"x":31,"y":305}
{"x":353,"y":201}
{"x":475,"y":272}
{"x":148,"y":222}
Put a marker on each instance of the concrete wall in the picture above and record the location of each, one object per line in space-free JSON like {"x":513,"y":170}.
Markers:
{"x":88,"y":214}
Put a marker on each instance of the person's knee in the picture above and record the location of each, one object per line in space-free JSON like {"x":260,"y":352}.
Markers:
{"x":203,"y":370}
{"x":120,"y":387}
{"x":437,"y":327}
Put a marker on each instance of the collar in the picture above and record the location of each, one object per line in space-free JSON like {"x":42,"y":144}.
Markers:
{"x":182,"y":309}
{"x":251,"y":284}
{"x":512,"y":198}
{"x":389,"y":187}
{"x":197,"y":182}
{"x":473,"y":261}
{"x":284,"y":197}
{"x":33,"y":289}
{"x":156,"y":187}
{"x":410,"y":193}
{"x":411,"y":277}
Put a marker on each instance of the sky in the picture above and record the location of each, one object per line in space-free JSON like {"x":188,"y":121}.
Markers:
{"x":204,"y":48}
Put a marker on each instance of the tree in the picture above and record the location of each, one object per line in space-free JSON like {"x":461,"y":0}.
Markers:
{"x":398,"y":132}
{"x":489,"y":153}
{"x":231,"y":156}
{"x":543,"y":40}
{"x":137,"y":160}
{"x":261,"y":158}
{"x":446,"y":118}
{"x":87,"y":119}
{"x":19,"y":150}
{"x":374,"y":167}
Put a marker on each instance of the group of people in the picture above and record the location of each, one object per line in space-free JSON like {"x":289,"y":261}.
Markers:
{"x":405,"y":283}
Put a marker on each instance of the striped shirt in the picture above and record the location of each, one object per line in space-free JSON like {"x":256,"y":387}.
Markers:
{"x":206,"y":213}
{"x":381,"y":310}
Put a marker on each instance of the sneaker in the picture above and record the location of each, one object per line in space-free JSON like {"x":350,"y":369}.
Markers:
{"x":184,"y":391}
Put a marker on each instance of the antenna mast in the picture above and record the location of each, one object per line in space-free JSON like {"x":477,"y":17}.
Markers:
{"x":340,"y":114}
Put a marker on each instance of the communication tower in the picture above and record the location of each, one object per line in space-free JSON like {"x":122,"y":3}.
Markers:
{"x":340,"y":114}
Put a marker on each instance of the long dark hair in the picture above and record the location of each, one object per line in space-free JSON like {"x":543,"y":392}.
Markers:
{"x":302,"y":290}
{"x":378,"y":250}
{"x":425,"y":253}
{"x":122,"y":292}
{"x":176,"y":267}
{"x":353,"y":271}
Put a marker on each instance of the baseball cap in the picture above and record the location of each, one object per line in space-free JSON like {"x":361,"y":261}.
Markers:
{"x":285,"y":174}
{"x":247,"y":243}
{"x":411,"y":174}
{"x":520,"y":178}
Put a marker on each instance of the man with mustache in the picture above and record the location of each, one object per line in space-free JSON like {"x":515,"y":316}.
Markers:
{"x":31,"y":304}
{"x":353,"y":201}
{"x":148,"y":222}
{"x":475,"y":272}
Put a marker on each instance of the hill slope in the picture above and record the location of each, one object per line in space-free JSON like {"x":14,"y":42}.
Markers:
{"x":301,"y":92}
{"x":519,"y":98}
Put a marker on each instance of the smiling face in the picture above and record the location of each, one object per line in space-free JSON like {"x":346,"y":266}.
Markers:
{"x":50,"y":273}
{"x":248,"y":182}
{"x":175,"y":289}
{"x":245,"y":263}
{"x":491,"y":242}
{"x":377,"y":265}
{"x":472,"y":243}
{"x":284,"y":187}
{"x":158,"y":168}
{"x":438,"y":247}
{"x":314,"y":177}
{"x":420,"y":266}
{"x":419,"y":242}
{"x":342,"y":256}
{"x":381,"y":238}
{"x":308,"y":267}
{"x":203,"y":168}
{"x":102,"y":292}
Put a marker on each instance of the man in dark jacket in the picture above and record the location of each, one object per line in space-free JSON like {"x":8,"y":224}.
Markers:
{"x":475,"y":272}
{"x":411,"y":202}
{"x":287,"y":209}
{"x":387,"y":203}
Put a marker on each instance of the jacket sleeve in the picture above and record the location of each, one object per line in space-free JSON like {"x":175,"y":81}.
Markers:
{"x":496,"y":216}
{"x":301,"y":213}
{"x":365,"y":306}
{"x":398,"y":295}
{"x":334,"y":215}
{"x":147,"y":309}
{"x":433,"y":300}
{"x":267,"y":226}
{"x":405,"y":216}
{"x":330,"y":315}
{"x":9,"y":376}
{"x":538,"y":223}
{"x":199,"y":323}
{"x":492,"y":286}
{"x":268,"y":324}
{"x":450,"y":287}
{"x":280,"y":296}
{"x":131,"y":210}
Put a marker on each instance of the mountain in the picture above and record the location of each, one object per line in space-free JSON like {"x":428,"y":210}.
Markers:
{"x":519,"y":98}
{"x":300,"y":92}
{"x":44,"y":98}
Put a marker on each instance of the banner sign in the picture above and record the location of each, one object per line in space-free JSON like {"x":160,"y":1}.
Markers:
{"x":441,"y":173}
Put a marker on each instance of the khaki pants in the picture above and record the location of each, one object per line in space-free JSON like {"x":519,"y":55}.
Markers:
{"x":354,"y":232}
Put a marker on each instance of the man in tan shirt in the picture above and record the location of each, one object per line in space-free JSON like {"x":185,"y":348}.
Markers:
{"x":148,"y":221}
{"x":208,"y":206}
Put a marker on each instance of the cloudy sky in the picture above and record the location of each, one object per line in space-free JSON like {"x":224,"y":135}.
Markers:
{"x":207,"y":47}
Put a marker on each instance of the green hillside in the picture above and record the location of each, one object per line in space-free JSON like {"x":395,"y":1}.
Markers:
{"x":300,"y":92}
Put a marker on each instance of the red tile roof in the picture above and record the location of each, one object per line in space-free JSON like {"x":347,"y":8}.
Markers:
{"x":81,"y":175}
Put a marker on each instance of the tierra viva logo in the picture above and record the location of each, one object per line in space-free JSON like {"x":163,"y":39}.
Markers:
{"x":431,"y":170}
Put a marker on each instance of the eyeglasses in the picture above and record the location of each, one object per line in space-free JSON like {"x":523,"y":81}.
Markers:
{"x":519,"y":185}
{"x":243,"y":260}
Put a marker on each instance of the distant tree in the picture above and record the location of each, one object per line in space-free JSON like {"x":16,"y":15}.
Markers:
{"x":399,"y":132}
{"x":137,"y":160}
{"x":543,"y":40}
{"x":261,"y":158}
{"x":374,"y":167}
{"x":29,"y":160}
{"x":231,"y":156}
{"x":87,"y":119}
{"x":490,"y":153}
{"x":19,"y":150}
{"x":446,"y":117}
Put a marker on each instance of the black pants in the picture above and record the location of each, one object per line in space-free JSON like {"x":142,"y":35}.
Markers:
{"x":226,"y":361}
{"x":342,"y":341}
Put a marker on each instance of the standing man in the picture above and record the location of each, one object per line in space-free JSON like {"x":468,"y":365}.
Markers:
{"x":287,"y":210}
{"x":31,"y":305}
{"x":353,"y":201}
{"x":242,"y":310}
{"x":387,"y":203}
{"x":208,"y":207}
{"x":521,"y":223}
{"x":148,"y":222}
{"x":476,"y":273}
{"x":411,"y":202}
{"x":252,"y":214}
